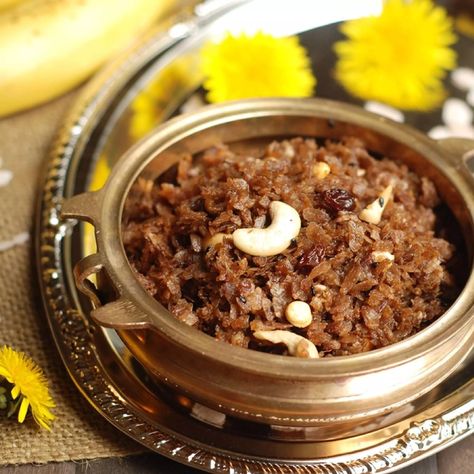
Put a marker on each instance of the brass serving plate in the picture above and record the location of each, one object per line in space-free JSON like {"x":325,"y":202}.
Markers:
{"x":97,"y":132}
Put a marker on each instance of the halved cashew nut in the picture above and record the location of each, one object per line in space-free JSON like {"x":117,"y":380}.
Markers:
{"x":321,"y":170}
{"x":214,"y":240}
{"x":285,"y":226}
{"x":298,"y":346}
{"x":373,"y":212}
{"x":299,"y":314}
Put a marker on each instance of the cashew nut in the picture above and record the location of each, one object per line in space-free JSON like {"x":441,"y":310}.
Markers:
{"x":321,"y":170}
{"x":214,"y":240}
{"x":379,"y":256}
{"x":320,"y":297}
{"x":299,"y":314}
{"x":373,"y":212}
{"x":298,"y":346}
{"x":285,"y":226}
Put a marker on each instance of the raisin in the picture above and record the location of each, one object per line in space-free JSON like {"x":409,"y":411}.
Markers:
{"x":190,"y":291}
{"x":197,"y":204}
{"x":337,"y":199}
{"x":310,"y":259}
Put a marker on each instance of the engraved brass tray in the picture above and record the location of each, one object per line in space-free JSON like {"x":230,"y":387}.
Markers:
{"x":147,"y":86}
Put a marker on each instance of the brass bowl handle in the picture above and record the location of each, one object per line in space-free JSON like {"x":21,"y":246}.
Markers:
{"x":120,"y":314}
{"x":460,"y":148}
{"x":85,"y":268}
{"x":468,"y":159}
{"x":83,"y":206}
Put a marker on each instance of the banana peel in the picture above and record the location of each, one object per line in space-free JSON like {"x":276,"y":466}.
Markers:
{"x":47,"y":47}
{"x":5,"y":4}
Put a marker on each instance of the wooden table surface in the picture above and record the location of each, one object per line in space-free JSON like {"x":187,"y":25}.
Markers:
{"x":457,"y":459}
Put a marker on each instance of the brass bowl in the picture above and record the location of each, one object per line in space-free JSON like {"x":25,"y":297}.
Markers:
{"x":247,"y":384}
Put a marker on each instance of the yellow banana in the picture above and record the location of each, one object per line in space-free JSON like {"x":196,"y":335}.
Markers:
{"x":5,"y":4}
{"x":49,"y":46}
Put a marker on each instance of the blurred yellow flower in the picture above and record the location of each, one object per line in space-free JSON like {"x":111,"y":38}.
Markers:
{"x":399,"y":57}
{"x":245,"y":66}
{"x":465,"y":24}
{"x":162,"y":94}
{"x":30,"y":387}
{"x":100,"y":174}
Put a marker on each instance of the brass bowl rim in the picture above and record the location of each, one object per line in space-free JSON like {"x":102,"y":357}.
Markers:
{"x":132,"y":163}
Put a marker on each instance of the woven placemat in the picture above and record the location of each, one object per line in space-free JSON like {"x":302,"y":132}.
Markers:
{"x":78,"y":431}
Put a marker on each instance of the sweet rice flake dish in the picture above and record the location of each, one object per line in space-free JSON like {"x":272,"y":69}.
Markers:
{"x":366,"y":268}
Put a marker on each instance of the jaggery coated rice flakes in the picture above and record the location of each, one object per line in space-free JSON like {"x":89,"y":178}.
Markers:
{"x":357,"y":303}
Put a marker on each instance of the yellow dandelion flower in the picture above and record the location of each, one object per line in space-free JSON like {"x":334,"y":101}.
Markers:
{"x":243,"y":66}
{"x":29,"y":384}
{"x":399,"y":57}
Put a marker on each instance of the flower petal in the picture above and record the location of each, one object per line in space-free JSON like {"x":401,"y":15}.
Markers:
{"x":23,"y":410}
{"x":15,"y":392}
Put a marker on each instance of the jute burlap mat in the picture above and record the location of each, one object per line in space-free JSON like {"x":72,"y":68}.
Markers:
{"x":78,"y":432}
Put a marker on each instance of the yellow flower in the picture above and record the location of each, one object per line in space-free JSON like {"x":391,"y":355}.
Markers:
{"x":465,"y":24}
{"x":245,"y":66}
{"x":29,"y":384}
{"x":101,"y":173}
{"x":399,"y":57}
{"x":160,"y":96}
